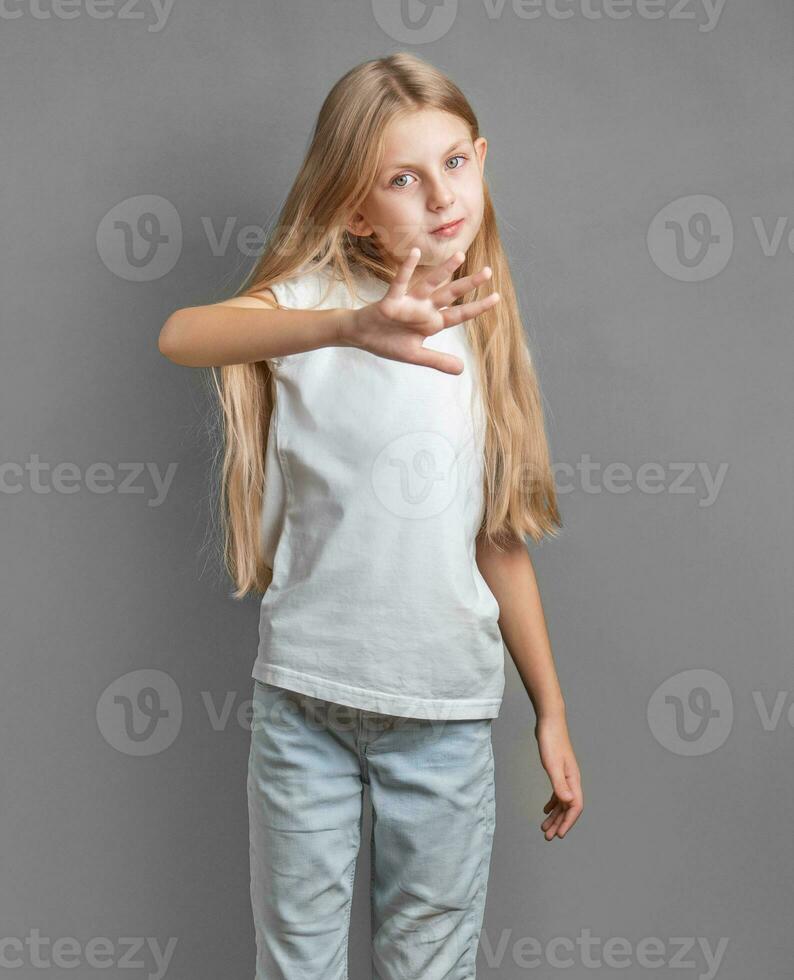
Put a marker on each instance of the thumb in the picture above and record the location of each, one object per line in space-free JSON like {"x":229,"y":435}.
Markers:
{"x":560,"y":785}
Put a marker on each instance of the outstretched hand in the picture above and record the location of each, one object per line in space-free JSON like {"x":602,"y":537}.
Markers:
{"x":396,"y":326}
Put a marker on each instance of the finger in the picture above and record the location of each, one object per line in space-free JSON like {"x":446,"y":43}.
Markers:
{"x":438,"y":276}
{"x":552,"y":830}
{"x":426,"y":357}
{"x":548,"y":825}
{"x":569,"y":820}
{"x":570,"y":817}
{"x":399,"y":284}
{"x":467,"y":311}
{"x":446,"y":294}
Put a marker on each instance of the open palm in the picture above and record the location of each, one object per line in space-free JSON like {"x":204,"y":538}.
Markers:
{"x":396,"y":326}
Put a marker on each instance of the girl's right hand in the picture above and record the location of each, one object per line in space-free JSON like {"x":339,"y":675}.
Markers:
{"x":396,"y":326}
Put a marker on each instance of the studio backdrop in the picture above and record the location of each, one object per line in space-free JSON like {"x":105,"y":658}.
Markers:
{"x":639,"y":161}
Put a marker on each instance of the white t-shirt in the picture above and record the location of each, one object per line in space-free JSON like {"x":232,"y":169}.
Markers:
{"x":373,"y":498}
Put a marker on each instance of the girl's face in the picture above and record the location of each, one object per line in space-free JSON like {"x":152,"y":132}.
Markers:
{"x":432,"y":174}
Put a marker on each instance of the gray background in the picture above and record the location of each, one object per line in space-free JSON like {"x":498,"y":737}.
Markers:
{"x":595,"y":126}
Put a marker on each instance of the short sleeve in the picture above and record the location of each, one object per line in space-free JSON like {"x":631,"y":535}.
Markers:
{"x":304,"y":291}
{"x":258,"y":298}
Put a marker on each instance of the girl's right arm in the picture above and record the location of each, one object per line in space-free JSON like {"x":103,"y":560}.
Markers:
{"x":245,"y":329}
{"x":249,"y":328}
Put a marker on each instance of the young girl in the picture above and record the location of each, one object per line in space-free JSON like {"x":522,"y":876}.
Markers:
{"x":385,"y":457}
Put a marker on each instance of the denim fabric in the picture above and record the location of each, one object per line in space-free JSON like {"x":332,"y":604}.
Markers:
{"x":431,"y":784}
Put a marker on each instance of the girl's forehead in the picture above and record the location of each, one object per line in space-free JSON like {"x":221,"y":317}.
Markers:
{"x":431,"y":122}
{"x":403,"y":141}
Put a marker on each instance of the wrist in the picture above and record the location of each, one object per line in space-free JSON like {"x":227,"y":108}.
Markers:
{"x":551,"y":713}
{"x":345,"y":328}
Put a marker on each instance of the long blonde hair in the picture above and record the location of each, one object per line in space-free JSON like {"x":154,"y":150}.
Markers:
{"x":338,"y":171}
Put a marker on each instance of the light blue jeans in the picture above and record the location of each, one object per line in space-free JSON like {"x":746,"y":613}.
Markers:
{"x":431,"y":784}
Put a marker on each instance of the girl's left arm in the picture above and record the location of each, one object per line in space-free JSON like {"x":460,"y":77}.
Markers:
{"x":511,"y":577}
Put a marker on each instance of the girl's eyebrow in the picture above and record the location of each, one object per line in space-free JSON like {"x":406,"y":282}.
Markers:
{"x":399,"y":166}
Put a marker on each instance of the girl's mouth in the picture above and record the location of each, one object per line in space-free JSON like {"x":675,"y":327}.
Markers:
{"x":450,"y":230}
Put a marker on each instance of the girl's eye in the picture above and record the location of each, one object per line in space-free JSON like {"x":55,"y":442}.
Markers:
{"x":458,"y":156}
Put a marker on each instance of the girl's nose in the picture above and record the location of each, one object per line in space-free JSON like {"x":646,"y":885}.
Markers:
{"x":440,"y":195}
{"x":441,"y":199}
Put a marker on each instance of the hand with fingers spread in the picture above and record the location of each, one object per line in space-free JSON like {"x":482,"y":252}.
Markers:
{"x":395,"y":327}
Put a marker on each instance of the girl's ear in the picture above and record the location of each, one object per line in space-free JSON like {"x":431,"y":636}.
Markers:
{"x":357,"y":225}
{"x":481,"y":146}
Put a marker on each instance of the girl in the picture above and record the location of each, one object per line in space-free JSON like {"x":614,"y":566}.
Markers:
{"x":385,"y":456}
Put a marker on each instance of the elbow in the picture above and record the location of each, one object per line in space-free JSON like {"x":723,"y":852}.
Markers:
{"x":168,"y":342}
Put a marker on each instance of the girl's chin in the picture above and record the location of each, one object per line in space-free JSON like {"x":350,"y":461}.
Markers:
{"x":433,"y":253}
